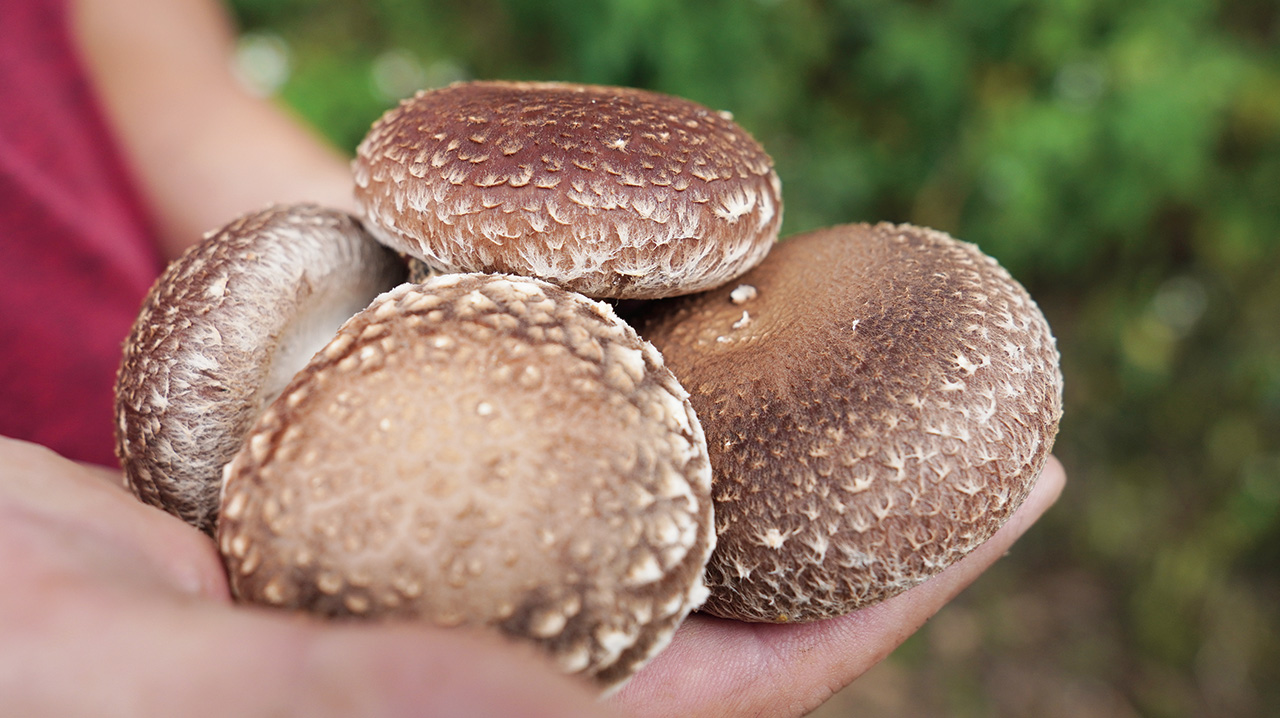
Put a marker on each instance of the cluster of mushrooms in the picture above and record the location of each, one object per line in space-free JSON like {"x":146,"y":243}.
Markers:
{"x":427,"y":412}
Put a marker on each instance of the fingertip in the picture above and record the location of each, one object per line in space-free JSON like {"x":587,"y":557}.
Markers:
{"x":1044,"y":494}
{"x":1055,"y":475}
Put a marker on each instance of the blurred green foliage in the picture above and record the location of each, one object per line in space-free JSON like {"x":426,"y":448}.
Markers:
{"x":1120,"y":157}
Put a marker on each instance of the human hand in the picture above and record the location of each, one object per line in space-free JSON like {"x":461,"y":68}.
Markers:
{"x":716,"y":667}
{"x":117,"y":609}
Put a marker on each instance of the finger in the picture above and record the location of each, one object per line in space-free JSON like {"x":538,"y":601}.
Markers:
{"x":108,"y":475}
{"x":75,"y":514}
{"x":718,"y":667}
{"x":173,"y":659}
{"x":877,"y":630}
{"x":413,"y":671}
{"x":99,"y":621}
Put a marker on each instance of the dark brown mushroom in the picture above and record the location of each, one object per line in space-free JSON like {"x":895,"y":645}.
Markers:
{"x":612,"y":192}
{"x":221,"y":332}
{"x":481,"y":450}
{"x":877,"y":400}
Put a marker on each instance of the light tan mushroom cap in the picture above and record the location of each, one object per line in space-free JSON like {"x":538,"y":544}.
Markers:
{"x":221,"y":332}
{"x":877,"y":401}
{"x":481,"y":450}
{"x":611,"y":192}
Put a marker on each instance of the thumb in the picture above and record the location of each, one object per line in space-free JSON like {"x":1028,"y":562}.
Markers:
{"x":400,"y":670}
{"x":205,"y":659}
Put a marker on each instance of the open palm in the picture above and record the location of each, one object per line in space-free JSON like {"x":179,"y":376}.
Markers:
{"x":113,"y":608}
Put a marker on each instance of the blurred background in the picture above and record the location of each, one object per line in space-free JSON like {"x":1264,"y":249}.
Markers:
{"x":1120,"y":157}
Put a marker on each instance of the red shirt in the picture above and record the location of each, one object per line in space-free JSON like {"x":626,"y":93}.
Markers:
{"x":77,"y":252}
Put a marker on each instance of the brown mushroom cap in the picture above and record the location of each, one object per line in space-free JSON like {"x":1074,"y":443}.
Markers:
{"x":876,"y":400}
{"x":481,"y":450}
{"x":611,"y":192}
{"x":221,"y":332}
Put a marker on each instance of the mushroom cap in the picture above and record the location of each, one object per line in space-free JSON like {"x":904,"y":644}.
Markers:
{"x":481,"y":450}
{"x":608,"y":191}
{"x":877,"y":400}
{"x":221,"y":332}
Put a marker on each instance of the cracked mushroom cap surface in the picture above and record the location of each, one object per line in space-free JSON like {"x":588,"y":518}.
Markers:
{"x":877,"y":400}
{"x":608,"y":191}
{"x":221,"y":332}
{"x":484,"y":451}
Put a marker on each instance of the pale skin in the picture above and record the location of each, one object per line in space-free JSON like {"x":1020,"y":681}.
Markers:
{"x":114,"y":608}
